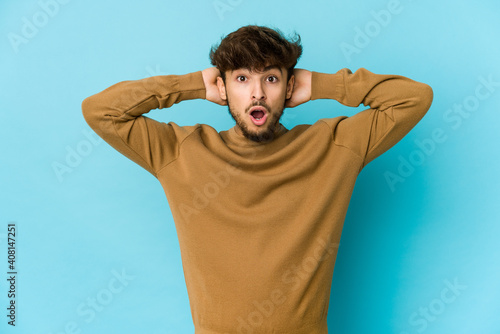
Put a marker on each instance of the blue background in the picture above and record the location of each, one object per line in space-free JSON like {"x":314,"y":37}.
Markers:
{"x":102,"y":216}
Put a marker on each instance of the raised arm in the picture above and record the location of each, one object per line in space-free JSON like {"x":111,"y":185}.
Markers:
{"x":396,"y":105}
{"x":116,"y":115}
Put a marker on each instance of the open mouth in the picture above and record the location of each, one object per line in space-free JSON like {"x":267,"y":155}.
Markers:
{"x":258,"y":115}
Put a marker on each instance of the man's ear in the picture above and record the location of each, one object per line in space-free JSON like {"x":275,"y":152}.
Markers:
{"x":289,"y":87}
{"x":222,"y":88}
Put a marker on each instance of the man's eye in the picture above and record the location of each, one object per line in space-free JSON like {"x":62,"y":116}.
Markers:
{"x":272,"y":78}
{"x":241,"y":78}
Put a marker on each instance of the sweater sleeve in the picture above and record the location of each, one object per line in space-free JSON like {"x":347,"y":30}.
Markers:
{"x":116,"y":115}
{"x":396,"y":104}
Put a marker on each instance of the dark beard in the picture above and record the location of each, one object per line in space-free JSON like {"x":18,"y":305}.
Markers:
{"x":262,"y":136}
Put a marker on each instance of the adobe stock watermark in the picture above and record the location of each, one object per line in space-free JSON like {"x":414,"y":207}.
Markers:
{"x":75,"y":155}
{"x":454,"y":117}
{"x":371,"y":29}
{"x":31,"y":26}
{"x":140,"y":92}
{"x":292,"y":279}
{"x":425,"y":315}
{"x":223,"y":6}
{"x":88,"y":310}
{"x":216,"y":182}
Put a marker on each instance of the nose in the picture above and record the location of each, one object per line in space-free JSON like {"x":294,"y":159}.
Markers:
{"x":258,"y":91}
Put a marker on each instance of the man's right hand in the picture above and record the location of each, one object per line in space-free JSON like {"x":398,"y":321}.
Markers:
{"x":210,"y":80}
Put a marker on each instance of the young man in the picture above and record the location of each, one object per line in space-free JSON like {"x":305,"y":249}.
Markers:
{"x":258,"y":208}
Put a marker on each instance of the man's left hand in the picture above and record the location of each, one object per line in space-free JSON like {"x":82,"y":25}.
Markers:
{"x":301,"y":88}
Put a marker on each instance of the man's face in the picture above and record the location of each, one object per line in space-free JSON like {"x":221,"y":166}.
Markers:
{"x":256,"y":99}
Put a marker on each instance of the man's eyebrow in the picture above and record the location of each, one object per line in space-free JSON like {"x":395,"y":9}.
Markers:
{"x":265,"y":69}
{"x":272,"y":67}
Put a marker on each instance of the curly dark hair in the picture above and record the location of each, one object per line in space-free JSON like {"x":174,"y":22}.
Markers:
{"x":256,"y":47}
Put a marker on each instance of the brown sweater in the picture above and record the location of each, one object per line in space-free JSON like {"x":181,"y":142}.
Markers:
{"x":258,"y":224}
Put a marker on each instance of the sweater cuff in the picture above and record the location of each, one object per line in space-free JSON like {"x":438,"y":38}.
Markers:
{"x":191,"y":85}
{"x":327,"y":86}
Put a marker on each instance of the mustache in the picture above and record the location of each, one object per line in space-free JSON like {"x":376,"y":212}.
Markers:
{"x":258,"y":103}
